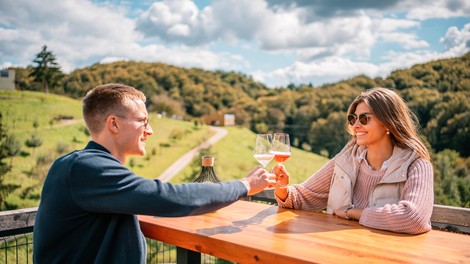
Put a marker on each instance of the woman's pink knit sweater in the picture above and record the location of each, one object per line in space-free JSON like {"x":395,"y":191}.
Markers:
{"x":411,"y":215}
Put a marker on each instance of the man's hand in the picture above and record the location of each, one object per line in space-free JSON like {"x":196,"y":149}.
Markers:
{"x":258,"y":179}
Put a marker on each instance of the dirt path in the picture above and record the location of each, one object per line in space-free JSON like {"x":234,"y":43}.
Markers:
{"x":182,"y":162}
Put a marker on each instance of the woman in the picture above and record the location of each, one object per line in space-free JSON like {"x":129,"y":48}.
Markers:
{"x":383,"y":177}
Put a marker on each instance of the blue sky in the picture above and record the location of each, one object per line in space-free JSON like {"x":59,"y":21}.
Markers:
{"x":277,"y":42}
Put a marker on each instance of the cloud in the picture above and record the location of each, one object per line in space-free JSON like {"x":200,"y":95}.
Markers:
{"x":419,"y":10}
{"x":318,"y":41}
{"x":436,"y":9}
{"x":318,"y":9}
{"x":223,"y":20}
{"x":182,"y":56}
{"x":406,"y":40}
{"x":73,"y":30}
{"x":283,"y":29}
{"x":170,"y":20}
{"x":330,"y":69}
{"x":276,"y":26}
{"x":457,"y":41}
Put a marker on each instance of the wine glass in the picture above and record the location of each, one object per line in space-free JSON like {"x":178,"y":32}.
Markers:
{"x":263,"y":149}
{"x":281,"y":147}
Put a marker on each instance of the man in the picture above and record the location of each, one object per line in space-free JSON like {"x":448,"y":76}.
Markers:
{"x":89,"y":202}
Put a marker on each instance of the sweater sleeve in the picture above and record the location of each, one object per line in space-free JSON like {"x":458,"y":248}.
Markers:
{"x":101,"y":184}
{"x":311,"y":195}
{"x":412,"y":214}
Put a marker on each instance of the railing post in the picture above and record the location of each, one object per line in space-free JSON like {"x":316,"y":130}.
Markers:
{"x":186,"y":256}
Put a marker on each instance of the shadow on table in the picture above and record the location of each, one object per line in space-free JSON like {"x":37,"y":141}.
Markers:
{"x":301,"y":222}
{"x":238,"y":225}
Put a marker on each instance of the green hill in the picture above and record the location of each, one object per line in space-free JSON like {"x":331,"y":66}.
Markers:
{"x":56,"y":120}
{"x":437,"y":92}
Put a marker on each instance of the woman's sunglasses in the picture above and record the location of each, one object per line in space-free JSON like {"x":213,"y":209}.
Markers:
{"x":363,"y":119}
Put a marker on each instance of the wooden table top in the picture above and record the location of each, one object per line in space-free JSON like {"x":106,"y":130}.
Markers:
{"x":248,"y":232}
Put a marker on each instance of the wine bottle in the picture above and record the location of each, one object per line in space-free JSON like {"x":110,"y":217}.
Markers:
{"x":207,"y":171}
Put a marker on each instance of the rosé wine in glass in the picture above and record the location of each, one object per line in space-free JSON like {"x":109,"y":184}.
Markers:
{"x":280,"y":157}
{"x":281,"y":147}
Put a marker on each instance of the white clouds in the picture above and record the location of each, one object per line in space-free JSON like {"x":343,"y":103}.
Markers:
{"x":326,"y":70}
{"x":387,"y":25}
{"x":169,"y":19}
{"x":388,"y":30}
{"x":181,"y":21}
{"x":334,"y":68}
{"x":457,"y":41}
{"x":179,"y":30}
{"x":325,"y":41}
{"x":73,"y":30}
{"x":281,"y":29}
{"x":428,"y":9}
{"x":407,"y":41}
{"x":288,"y":31}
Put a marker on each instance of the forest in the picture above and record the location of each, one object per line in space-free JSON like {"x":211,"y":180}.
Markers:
{"x":315,"y":117}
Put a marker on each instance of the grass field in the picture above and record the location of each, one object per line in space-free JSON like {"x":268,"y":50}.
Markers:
{"x":234,"y":159}
{"x":27,"y":113}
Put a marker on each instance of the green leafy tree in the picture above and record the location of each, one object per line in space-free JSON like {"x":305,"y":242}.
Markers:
{"x":46,"y":70}
{"x":12,"y":146}
{"x":449,"y":127}
{"x":329,"y":134}
{"x":421,"y":101}
{"x":451,"y":179}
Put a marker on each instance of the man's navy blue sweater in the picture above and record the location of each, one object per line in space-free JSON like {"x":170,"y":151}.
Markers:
{"x":89,"y":204}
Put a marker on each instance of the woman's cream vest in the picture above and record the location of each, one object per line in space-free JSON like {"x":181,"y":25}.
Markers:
{"x":389,"y":189}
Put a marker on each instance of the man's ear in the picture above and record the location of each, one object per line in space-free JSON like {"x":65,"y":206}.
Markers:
{"x":111,"y":124}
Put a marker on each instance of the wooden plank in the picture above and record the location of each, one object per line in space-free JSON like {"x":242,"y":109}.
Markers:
{"x":16,"y":219}
{"x":451,"y":215}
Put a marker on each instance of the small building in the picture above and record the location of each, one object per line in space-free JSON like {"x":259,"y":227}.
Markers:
{"x":7,"y":79}
{"x":218,"y":119}
{"x":229,"y":120}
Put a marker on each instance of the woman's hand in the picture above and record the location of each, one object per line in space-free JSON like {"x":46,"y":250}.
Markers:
{"x":282,"y":180}
{"x":351,"y":214}
{"x":282,"y":175}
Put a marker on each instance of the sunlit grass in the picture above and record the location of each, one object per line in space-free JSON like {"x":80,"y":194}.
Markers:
{"x":163,"y":151}
{"x":234,"y":158}
{"x":21,"y":109}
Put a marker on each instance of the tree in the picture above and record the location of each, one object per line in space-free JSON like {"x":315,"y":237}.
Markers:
{"x":5,"y":152}
{"x":451,"y":179}
{"x":329,"y":135}
{"x":33,"y":142}
{"x":12,"y":146}
{"x":47,"y":70}
{"x":449,"y":127}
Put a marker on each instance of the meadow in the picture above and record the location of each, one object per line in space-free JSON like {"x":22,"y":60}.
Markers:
{"x":57,"y":122}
